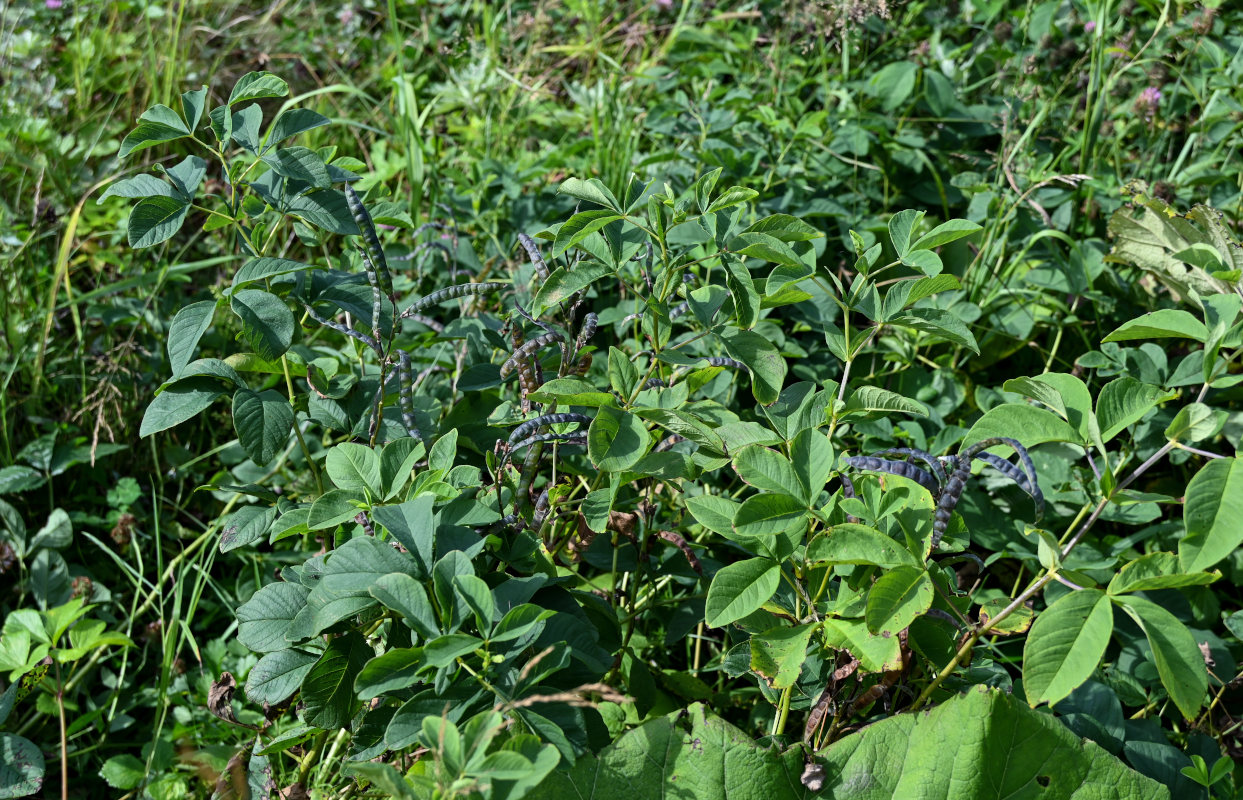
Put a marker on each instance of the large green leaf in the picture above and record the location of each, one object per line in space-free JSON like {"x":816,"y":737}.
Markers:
{"x":1212,"y":514}
{"x":263,"y":620}
{"x":877,"y":652}
{"x":564,"y":282}
{"x":157,"y":124}
{"x":178,"y":402}
{"x":739,"y":589}
{"x":1179,"y":660}
{"x":156,"y":219}
{"x":21,"y":766}
{"x":1156,"y":571}
{"x":411,"y":524}
{"x":768,"y":368}
{"x":769,"y":471}
{"x":187,"y":327}
{"x":262,"y":421}
{"x":259,"y":269}
{"x":898,"y":597}
{"x":1123,"y":402}
{"x":407,"y":597}
{"x":616,"y":440}
{"x":765,"y":515}
{"x":851,"y":543}
{"x":256,"y":86}
{"x":328,"y":688}
{"x":278,"y":675}
{"x":1066,"y":644}
{"x":939,"y":322}
{"x":354,"y":466}
{"x":777,"y":655}
{"x":245,"y":526}
{"x":1027,"y":424}
{"x":1168,"y":323}
{"x":983,"y":745}
{"x":267,"y":323}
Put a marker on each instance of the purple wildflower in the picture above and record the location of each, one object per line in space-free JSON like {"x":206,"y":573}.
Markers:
{"x":1089,"y":26}
{"x":1148,"y":102}
{"x":55,"y":3}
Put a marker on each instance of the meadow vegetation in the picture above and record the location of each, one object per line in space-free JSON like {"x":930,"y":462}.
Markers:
{"x":529,"y":399}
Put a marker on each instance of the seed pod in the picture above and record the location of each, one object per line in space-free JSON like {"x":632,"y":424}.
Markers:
{"x":367,"y":228}
{"x":406,"y":395}
{"x":950,"y":494}
{"x":904,"y":469}
{"x":1015,"y":474}
{"x":722,"y":361}
{"x":677,"y":541}
{"x":526,"y":476}
{"x":527,"y":350}
{"x":377,"y":299}
{"x":934,"y":463}
{"x":362,"y":519}
{"x":339,"y":328}
{"x":542,"y":507}
{"x":531,"y":425}
{"x":668,"y":442}
{"x":1025,"y":461}
{"x":583,"y":366}
{"x":679,"y":310}
{"x":587,"y":330}
{"x":533,"y":253}
{"x":451,"y":293}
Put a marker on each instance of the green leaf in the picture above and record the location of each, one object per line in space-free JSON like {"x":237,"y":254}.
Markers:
{"x":898,"y":597}
{"x":335,"y":506}
{"x":1194,"y":422}
{"x":579,"y":227}
{"x":278,"y":675}
{"x":785,"y":227}
{"x":443,"y":452}
{"x":328,"y":688}
{"x":444,"y":650}
{"x":874,"y":398}
{"x":263,"y":620}
{"x":143,"y":185}
{"x":851,"y":543}
{"x":901,"y":225}
{"x":616,"y":440}
{"x":1027,"y":424}
{"x":938,"y":322}
{"x":187,"y":327}
{"x":713,"y":512}
{"x":245,"y":526}
{"x":683,"y":424}
{"x":267,"y":323}
{"x":876,"y":652}
{"x":893,"y":84}
{"x":565,"y":281}
{"x":405,"y":595}
{"x":255,"y":86}
{"x":768,"y":368}
{"x":1066,"y":644}
{"x":1125,"y":401}
{"x":764,"y":515}
{"x":354,"y":466}
{"x":123,"y":772}
{"x":192,"y":104}
{"x":767,"y":248}
{"x":1164,"y":324}
{"x":260,"y":269}
{"x":1179,"y":660}
{"x":21,"y":766}
{"x":299,"y":164}
{"x":411,"y":523}
{"x":262,"y":421}
{"x":1156,"y":571}
{"x":733,"y":196}
{"x":397,"y":461}
{"x":769,"y":471}
{"x":949,"y":231}
{"x":157,"y":124}
{"x":739,"y":589}
{"x":925,"y":261}
{"x":384,"y":777}
{"x":292,"y":122}
{"x":390,"y":671}
{"x":155,"y":220}
{"x":17,"y":478}
{"x":591,"y":190}
{"x":777,"y":655}
{"x":573,"y":392}
{"x":56,"y":534}
{"x":812,"y":455}
{"x":1211,"y":512}
{"x":178,"y":402}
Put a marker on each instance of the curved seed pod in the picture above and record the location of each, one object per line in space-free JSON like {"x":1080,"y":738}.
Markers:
{"x":632,"y":317}
{"x":950,"y":495}
{"x":528,"y":349}
{"x":531,"y":425}
{"x":848,"y":490}
{"x":903,"y":469}
{"x":722,"y":361}
{"x":542,"y":506}
{"x":668,"y":442}
{"x":565,"y":439}
{"x":522,"y":495}
{"x":406,"y":396}
{"x":680,"y":309}
{"x":451,"y":293}
{"x":367,"y":228}
{"x":818,"y":711}
{"x":1024,"y":459}
{"x":339,"y":328}
{"x":583,"y":366}
{"x":934,"y":463}
{"x":362,"y":519}
{"x":680,"y":543}
{"x":587,"y":330}
{"x":1015,"y":474}
{"x":377,"y":298}
{"x":533,"y":253}
{"x":655,"y":383}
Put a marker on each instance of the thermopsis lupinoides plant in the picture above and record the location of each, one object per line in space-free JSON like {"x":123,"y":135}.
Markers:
{"x":658,"y":336}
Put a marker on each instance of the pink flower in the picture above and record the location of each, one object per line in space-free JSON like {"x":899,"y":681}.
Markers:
{"x":1088,"y":27}
{"x":55,"y":3}
{"x":1148,"y":102}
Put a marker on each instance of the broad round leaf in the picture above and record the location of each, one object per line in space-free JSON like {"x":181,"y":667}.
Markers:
{"x":267,"y":323}
{"x":739,"y":589}
{"x":616,"y":440}
{"x":1212,"y":513}
{"x":262,"y":421}
{"x":1066,"y":643}
{"x":898,"y":597}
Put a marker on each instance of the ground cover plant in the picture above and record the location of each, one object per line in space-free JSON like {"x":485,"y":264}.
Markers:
{"x":583,"y":401}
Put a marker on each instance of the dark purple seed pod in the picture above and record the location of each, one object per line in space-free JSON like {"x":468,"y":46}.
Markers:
{"x":532,"y":425}
{"x":677,"y":541}
{"x":542,"y":507}
{"x":362,"y":519}
{"x":587,"y":330}
{"x":1015,"y":474}
{"x":406,"y":396}
{"x":655,"y":383}
{"x":679,"y":309}
{"x":946,"y":503}
{"x":528,"y":349}
{"x":339,"y":328}
{"x":668,"y":442}
{"x":934,"y":463}
{"x":577,"y":439}
{"x":367,"y":228}
{"x":452,"y":293}
{"x":904,"y":469}
{"x":722,"y":361}
{"x":533,"y":253}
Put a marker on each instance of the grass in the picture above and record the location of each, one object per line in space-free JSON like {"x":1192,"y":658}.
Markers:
{"x":1028,"y":118}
